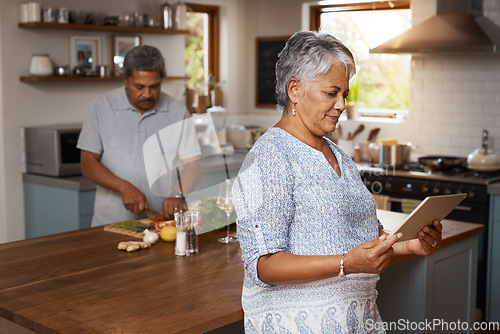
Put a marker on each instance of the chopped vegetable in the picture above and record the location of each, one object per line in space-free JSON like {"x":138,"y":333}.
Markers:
{"x":133,"y":225}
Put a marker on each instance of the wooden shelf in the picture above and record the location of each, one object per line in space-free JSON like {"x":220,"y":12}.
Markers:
{"x":94,"y":27}
{"x":35,"y":79}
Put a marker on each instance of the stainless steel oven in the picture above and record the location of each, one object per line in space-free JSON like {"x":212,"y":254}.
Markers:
{"x":417,"y":184}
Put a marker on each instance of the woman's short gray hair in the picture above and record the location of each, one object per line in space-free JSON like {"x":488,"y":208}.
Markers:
{"x":306,"y":56}
{"x":143,"y":58}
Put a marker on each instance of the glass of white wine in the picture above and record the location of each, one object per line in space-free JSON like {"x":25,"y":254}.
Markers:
{"x":224,"y":202}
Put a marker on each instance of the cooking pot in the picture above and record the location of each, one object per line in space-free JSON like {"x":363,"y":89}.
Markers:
{"x":243,"y":136}
{"x":483,"y":159}
{"x":441,"y":163}
{"x":395,"y":155}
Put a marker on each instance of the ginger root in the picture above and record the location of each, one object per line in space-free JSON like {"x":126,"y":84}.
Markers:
{"x":130,"y":246}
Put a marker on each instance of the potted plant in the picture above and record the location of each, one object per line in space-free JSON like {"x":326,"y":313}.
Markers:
{"x":216,"y":94}
{"x":352,"y":98}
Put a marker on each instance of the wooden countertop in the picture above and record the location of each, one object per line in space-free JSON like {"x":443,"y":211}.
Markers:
{"x":78,"y":282}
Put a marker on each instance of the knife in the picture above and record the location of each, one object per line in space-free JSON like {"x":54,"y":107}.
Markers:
{"x":151,"y":214}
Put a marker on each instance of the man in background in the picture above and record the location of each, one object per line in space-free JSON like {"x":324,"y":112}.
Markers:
{"x":112,"y":138}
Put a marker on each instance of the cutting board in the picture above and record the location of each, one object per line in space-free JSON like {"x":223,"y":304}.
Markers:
{"x":138,"y":235}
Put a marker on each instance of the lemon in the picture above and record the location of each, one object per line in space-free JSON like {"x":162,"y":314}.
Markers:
{"x":167,"y":233}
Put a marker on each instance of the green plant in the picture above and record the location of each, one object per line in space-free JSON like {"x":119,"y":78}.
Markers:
{"x":212,"y":81}
{"x":353,"y":96}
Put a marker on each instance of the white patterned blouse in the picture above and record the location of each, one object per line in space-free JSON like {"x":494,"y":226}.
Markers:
{"x":289,"y":199}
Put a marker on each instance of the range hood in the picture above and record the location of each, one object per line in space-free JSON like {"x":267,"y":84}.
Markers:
{"x":458,"y":27}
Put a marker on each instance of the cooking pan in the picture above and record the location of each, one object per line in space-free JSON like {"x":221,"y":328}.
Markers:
{"x":441,"y":163}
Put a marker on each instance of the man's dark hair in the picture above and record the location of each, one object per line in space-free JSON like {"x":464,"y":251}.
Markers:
{"x":143,"y":58}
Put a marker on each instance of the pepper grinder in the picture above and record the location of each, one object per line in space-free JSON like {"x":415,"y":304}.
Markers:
{"x":191,"y":218}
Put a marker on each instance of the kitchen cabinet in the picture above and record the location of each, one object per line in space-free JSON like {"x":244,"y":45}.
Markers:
{"x":441,"y":286}
{"x":98,"y":28}
{"x":53,"y":205}
{"x":493,"y":275}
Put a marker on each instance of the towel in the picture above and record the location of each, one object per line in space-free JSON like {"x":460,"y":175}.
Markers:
{"x":408,"y":205}
{"x":382,"y":201}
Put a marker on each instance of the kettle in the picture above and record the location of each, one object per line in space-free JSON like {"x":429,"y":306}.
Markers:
{"x":483,"y":159}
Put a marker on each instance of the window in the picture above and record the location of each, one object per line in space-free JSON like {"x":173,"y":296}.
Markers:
{"x":202,"y":46}
{"x":381,"y":86}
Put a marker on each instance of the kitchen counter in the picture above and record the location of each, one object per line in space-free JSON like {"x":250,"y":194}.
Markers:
{"x":78,"y":282}
{"x":494,"y":188}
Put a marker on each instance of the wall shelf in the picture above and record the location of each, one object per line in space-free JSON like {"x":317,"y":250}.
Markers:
{"x":94,"y":27}
{"x":35,"y":79}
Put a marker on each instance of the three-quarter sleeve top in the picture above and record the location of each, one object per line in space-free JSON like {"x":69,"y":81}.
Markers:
{"x":288,"y":198}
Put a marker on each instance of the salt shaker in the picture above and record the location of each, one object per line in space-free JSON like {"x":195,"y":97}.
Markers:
{"x":191,"y":217}
{"x":181,"y":235}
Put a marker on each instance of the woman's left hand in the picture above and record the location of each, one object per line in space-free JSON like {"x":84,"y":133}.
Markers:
{"x":428,"y":241}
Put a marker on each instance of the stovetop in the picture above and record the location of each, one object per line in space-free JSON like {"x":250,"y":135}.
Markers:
{"x":416,"y":170}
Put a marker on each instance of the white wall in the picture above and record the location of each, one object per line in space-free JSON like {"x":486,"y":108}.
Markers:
{"x":3,"y":216}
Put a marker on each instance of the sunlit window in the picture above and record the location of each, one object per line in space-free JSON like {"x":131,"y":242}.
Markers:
{"x":381,"y":87}
{"x":202,"y":54}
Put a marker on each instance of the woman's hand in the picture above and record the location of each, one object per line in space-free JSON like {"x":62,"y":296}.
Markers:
{"x":372,"y":257}
{"x":429,"y":240}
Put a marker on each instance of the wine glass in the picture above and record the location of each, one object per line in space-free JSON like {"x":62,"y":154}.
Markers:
{"x":224,"y":202}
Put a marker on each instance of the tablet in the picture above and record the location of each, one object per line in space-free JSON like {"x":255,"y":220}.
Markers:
{"x":431,"y":208}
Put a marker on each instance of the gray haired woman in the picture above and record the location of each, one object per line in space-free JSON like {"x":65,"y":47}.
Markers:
{"x":311,"y":242}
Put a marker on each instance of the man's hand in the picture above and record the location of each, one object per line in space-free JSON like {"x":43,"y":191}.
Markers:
{"x":172,"y":205}
{"x":372,"y":256}
{"x":133,"y":199}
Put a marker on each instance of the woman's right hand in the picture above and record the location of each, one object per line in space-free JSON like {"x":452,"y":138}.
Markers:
{"x":371,"y":257}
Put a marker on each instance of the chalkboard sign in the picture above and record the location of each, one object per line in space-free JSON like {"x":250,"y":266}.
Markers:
{"x":268,"y":49}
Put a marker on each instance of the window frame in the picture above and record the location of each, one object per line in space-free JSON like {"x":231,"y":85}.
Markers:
{"x":316,"y":11}
{"x":213,"y":35}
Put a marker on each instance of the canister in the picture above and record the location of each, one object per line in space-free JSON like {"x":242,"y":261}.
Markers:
{"x":48,"y":14}
{"x":62,"y":15}
{"x":168,"y":16}
{"x":23,"y":13}
{"x":34,"y":12}
{"x":40,"y":65}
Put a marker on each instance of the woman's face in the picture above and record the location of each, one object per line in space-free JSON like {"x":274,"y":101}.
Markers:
{"x":323,"y":101}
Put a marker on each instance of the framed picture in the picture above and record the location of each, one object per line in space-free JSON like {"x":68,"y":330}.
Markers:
{"x":120,"y":45}
{"x":85,"y":52}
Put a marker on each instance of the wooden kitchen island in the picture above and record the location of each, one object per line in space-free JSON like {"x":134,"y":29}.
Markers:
{"x":78,"y":282}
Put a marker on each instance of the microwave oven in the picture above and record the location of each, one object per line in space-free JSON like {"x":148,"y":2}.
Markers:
{"x":51,"y":150}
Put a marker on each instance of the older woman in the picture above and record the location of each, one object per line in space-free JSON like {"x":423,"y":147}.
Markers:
{"x":311,"y":242}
